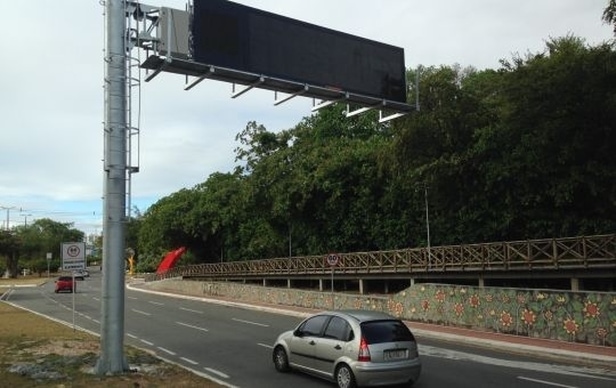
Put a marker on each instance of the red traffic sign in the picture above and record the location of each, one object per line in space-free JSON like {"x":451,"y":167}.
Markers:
{"x":333,"y":259}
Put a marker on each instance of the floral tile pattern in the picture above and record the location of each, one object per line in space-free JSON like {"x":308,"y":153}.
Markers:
{"x":585,"y":317}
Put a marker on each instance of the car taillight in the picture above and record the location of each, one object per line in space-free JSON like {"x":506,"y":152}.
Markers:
{"x":364,"y":352}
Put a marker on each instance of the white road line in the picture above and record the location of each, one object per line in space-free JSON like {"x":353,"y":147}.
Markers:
{"x":132,"y":297}
{"x":265,"y":345}
{"x":188,"y":360}
{"x":566,"y":370}
{"x":157,"y":303}
{"x":546,"y":382}
{"x":191,"y":310}
{"x":192,"y":326}
{"x":96,"y":299}
{"x":147,"y":342}
{"x":166,"y":351}
{"x":96,"y":321}
{"x":217,"y":373}
{"x":249,"y":322}
{"x":141,"y":312}
{"x":131,"y":336}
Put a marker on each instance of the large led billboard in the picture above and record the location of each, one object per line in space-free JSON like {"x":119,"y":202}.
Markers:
{"x":233,"y":36}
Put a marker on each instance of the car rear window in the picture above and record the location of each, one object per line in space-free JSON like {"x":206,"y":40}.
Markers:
{"x":386,"y":331}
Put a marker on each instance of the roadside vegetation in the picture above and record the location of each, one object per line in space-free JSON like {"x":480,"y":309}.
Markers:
{"x":525,"y":151}
{"x":37,"y":352}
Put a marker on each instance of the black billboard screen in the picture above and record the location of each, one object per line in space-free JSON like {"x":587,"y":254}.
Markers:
{"x":238,"y":37}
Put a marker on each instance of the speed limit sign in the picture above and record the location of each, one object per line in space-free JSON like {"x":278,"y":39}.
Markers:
{"x":332,"y":259}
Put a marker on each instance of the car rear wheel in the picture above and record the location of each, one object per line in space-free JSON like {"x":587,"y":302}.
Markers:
{"x":344,"y":377}
{"x":281,"y":361}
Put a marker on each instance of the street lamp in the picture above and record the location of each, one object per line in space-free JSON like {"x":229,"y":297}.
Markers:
{"x":25,"y":216}
{"x":425,"y":187}
{"x":8,"y":209}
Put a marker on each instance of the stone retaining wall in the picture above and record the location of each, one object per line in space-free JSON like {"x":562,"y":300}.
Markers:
{"x":586,"y":317}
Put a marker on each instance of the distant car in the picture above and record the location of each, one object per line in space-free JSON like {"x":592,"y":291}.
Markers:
{"x":81,"y":274}
{"x":351,"y":348}
{"x":65,"y":283}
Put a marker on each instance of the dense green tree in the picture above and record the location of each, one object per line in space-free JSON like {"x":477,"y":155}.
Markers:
{"x":9,"y":250}
{"x":609,"y":14}
{"x":28,"y":245}
{"x":524,"y":151}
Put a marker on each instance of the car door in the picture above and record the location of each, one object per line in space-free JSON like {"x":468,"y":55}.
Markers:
{"x":303,"y":344}
{"x":332,"y":344}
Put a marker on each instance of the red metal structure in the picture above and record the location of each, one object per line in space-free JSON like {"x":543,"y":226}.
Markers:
{"x":169,"y":260}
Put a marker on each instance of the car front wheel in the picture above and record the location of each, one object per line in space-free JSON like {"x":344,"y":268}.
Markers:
{"x":344,"y":377}
{"x":281,"y":361}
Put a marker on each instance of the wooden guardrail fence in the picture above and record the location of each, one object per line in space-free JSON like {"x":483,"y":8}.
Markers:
{"x":582,"y":252}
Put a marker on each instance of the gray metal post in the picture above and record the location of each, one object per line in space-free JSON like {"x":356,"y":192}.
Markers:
{"x":112,"y":359}
{"x":427,"y":226}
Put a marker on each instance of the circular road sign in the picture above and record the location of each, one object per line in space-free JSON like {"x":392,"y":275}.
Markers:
{"x":73,"y":251}
{"x":332,"y":259}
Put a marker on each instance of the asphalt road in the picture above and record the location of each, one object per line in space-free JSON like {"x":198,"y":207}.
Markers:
{"x":233,"y":345}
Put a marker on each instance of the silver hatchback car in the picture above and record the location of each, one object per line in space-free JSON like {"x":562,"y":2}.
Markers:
{"x":352,"y":348}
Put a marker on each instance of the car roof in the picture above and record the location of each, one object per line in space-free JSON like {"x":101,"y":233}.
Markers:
{"x":362,"y":315}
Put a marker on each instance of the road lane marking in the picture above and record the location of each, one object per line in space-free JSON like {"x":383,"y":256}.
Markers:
{"x":166,"y":351}
{"x":141,"y":312}
{"x":191,"y":310}
{"x":131,"y":335}
{"x":157,"y":303}
{"x":192,"y":326}
{"x":217,"y":373}
{"x":580,"y":371}
{"x":133,"y":298}
{"x":546,"y":382}
{"x":265,"y":345}
{"x":249,"y":322}
{"x":188,"y":360}
{"x":147,"y":342}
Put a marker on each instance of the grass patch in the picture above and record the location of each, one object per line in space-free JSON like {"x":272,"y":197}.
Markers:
{"x":35,"y":351}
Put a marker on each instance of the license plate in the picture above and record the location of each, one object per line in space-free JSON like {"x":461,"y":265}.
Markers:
{"x":394,"y":354}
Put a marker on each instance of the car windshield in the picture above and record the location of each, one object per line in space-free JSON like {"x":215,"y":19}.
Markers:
{"x":386,"y":331}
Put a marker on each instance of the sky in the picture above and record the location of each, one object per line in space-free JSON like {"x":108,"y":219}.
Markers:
{"x":52,"y":108}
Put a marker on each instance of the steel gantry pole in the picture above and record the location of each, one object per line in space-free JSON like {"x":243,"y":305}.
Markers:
{"x":112,"y":359}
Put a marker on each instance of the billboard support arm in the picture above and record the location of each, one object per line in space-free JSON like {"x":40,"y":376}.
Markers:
{"x":157,"y":71}
{"x":247,"y":88}
{"x":358,"y":111}
{"x":390,"y":117}
{"x":323,"y":104}
{"x":198,"y":80}
{"x":287,"y":98}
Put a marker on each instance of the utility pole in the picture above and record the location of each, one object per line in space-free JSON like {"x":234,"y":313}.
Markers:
{"x":427,"y":226}
{"x":25,"y":216}
{"x":112,"y":359}
{"x":8,"y":209}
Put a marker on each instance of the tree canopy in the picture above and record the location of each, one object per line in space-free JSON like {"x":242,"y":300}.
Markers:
{"x":27,"y":245}
{"x":524,"y":151}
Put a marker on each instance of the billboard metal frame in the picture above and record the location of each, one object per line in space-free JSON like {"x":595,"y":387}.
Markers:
{"x":157,"y":29}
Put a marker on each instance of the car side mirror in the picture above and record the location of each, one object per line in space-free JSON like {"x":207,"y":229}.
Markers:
{"x":298,"y":333}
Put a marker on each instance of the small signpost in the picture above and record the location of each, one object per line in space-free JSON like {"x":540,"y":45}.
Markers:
{"x":49,"y":254}
{"x":73,"y":257}
{"x":332,"y":260}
